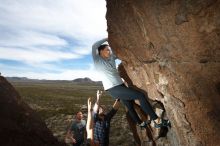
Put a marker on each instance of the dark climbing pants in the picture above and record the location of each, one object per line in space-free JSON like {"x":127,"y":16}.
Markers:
{"x":127,"y":95}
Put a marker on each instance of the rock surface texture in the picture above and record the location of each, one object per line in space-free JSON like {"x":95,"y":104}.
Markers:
{"x":19,"y":124}
{"x":171,"y":50}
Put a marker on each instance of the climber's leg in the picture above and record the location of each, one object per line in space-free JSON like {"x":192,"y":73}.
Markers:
{"x":131,"y":110}
{"x":125,"y":93}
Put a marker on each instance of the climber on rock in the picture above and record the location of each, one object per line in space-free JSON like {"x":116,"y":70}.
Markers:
{"x":104,"y":62}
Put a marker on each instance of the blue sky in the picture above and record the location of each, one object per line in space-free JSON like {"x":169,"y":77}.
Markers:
{"x":50,"y":39}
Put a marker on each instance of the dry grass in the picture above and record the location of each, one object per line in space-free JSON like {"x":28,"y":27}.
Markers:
{"x":52,"y":99}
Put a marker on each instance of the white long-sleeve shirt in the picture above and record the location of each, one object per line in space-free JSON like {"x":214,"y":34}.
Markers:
{"x":106,"y":67}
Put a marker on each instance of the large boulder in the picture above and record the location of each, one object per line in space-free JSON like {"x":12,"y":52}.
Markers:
{"x":171,"y":50}
{"x":19,"y":124}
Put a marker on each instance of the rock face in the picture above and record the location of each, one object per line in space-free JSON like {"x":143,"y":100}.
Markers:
{"x":19,"y":124}
{"x":171,"y":50}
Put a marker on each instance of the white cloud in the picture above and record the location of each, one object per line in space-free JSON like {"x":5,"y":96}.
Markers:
{"x":35,"y":32}
{"x":82,"y":20}
{"x":26,"y":23}
{"x":82,"y":50}
{"x":35,"y":55}
{"x":30,"y":38}
{"x":64,"y":75}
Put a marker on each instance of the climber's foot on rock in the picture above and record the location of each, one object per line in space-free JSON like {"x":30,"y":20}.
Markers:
{"x":163,"y":123}
{"x":144,"y":124}
{"x":160,"y":132}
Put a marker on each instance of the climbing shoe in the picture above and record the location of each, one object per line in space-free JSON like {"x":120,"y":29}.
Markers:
{"x":144,"y":124}
{"x":164,"y":123}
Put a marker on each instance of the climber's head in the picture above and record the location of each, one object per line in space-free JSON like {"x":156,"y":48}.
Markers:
{"x":104,"y":51}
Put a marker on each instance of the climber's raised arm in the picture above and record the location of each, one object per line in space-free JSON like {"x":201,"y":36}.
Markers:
{"x":95,"y":46}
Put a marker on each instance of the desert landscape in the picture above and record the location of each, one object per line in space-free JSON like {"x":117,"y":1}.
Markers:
{"x":57,"y":101}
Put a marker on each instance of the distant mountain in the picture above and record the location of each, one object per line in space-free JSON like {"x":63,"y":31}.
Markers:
{"x":85,"y":80}
{"x":20,"y":79}
{"x":78,"y":80}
